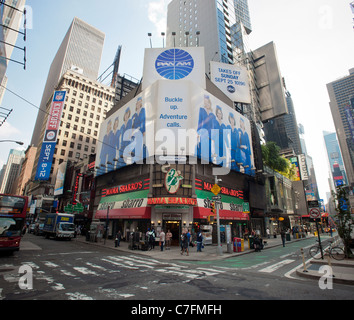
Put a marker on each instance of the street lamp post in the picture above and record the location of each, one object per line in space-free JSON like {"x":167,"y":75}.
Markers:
{"x":18,"y":142}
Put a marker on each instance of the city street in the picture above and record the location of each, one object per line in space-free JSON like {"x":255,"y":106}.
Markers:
{"x":76,"y":270}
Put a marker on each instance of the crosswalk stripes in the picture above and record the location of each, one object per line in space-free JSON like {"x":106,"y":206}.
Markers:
{"x":274,"y":267}
{"x":47,"y":271}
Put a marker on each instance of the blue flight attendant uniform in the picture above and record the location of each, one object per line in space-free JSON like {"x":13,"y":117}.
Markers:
{"x":206,"y":122}
{"x":220,"y":141}
{"x":114,"y":146}
{"x":139,"y":123}
{"x":124,"y":144}
{"x":235,"y":148}
{"x":105,"y":148}
{"x":246,"y":154}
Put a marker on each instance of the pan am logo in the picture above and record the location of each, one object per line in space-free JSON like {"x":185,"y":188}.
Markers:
{"x":174,"y":64}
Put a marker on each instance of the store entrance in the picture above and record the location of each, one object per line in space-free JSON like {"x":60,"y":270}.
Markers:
{"x":175,"y":228}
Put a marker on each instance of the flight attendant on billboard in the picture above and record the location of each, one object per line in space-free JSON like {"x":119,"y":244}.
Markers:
{"x":245,"y":147}
{"x":114,"y":141}
{"x":235,"y":143}
{"x":219,"y":137}
{"x":139,"y":123}
{"x":106,"y":146}
{"x":125,"y":139}
{"x":205,"y":125}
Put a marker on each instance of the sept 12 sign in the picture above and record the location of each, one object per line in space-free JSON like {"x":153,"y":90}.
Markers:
{"x":50,"y":137}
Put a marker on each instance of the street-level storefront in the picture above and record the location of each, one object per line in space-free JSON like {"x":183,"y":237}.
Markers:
{"x":125,"y":208}
{"x":171,"y":213}
{"x":233,"y":209}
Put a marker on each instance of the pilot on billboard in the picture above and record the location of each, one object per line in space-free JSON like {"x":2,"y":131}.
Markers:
{"x":205,"y":125}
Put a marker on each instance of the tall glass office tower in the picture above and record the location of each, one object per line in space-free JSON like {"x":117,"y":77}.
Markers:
{"x":341,"y":94}
{"x":81,"y":50}
{"x":335,"y":159}
{"x":219,"y":26}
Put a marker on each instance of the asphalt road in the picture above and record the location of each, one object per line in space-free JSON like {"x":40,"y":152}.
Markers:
{"x":63,"y":270}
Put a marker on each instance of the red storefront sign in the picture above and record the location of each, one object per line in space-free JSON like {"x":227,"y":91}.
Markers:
{"x":203,"y":213}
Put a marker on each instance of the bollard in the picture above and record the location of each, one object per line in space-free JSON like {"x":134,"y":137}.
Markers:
{"x":329,"y":261}
{"x":303,"y":260}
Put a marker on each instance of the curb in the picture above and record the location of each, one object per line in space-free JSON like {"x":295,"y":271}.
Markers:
{"x":316,"y":276}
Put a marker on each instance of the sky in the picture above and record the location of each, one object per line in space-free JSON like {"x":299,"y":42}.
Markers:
{"x":314,"y":41}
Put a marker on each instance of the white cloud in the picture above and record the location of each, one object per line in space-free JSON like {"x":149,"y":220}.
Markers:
{"x":7,"y":131}
{"x":157,"y":13}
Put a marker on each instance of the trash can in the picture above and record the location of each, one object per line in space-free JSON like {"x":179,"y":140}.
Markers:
{"x":251,"y":242}
{"x":235,"y":244}
{"x":239,"y":245}
{"x":288,"y":237}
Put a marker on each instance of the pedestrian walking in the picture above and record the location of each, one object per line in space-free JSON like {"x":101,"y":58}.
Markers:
{"x":282,"y":234}
{"x":199,"y":241}
{"x":189,"y":236}
{"x":184,"y":244}
{"x":151,"y":239}
{"x":118,"y":238}
{"x":268,"y":233}
{"x":168,"y":239}
{"x":162,"y":239}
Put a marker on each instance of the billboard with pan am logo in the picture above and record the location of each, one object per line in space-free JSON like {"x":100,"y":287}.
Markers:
{"x":174,"y":64}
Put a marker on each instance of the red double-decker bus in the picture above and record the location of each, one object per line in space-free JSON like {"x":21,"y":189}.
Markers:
{"x":13,"y":211}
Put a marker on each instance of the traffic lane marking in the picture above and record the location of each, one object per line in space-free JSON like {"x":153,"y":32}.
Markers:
{"x":276,"y":266}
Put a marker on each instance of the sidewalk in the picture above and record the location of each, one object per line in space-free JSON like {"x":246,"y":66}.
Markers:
{"x":342,"y":271}
{"x":209,"y":253}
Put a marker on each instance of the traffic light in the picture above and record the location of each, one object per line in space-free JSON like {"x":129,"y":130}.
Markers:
{"x":212,"y":207}
{"x":211,"y":219}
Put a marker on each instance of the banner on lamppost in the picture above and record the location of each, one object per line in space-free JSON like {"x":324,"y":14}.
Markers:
{"x":50,"y":137}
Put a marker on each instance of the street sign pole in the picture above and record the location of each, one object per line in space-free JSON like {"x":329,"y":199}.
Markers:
{"x":319,"y":238}
{"x":219,"y":248}
{"x":315,"y":213}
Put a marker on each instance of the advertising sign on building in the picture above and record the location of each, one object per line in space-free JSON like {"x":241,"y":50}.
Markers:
{"x":50,"y":137}
{"x":295,"y":162}
{"x":303,"y":167}
{"x":231,"y":80}
{"x":174,"y":64}
{"x":59,"y":183}
{"x":175,"y":119}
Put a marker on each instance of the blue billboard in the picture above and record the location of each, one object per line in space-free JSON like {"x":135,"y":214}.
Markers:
{"x":50,"y":137}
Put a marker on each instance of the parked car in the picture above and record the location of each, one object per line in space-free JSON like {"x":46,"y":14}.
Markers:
{"x":38,"y":231}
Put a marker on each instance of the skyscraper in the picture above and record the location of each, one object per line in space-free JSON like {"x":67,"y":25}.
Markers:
{"x":86,"y":106}
{"x":11,"y":15}
{"x":81,"y":50}
{"x":218,"y":26}
{"x":341,"y":94}
{"x":335,"y":160}
{"x":11,"y":171}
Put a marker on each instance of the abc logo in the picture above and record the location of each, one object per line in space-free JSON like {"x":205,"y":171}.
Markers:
{"x":231,"y":89}
{"x":174,"y":64}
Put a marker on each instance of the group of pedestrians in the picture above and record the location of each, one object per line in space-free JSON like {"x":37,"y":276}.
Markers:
{"x":186,"y":242}
{"x":164,"y":242}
